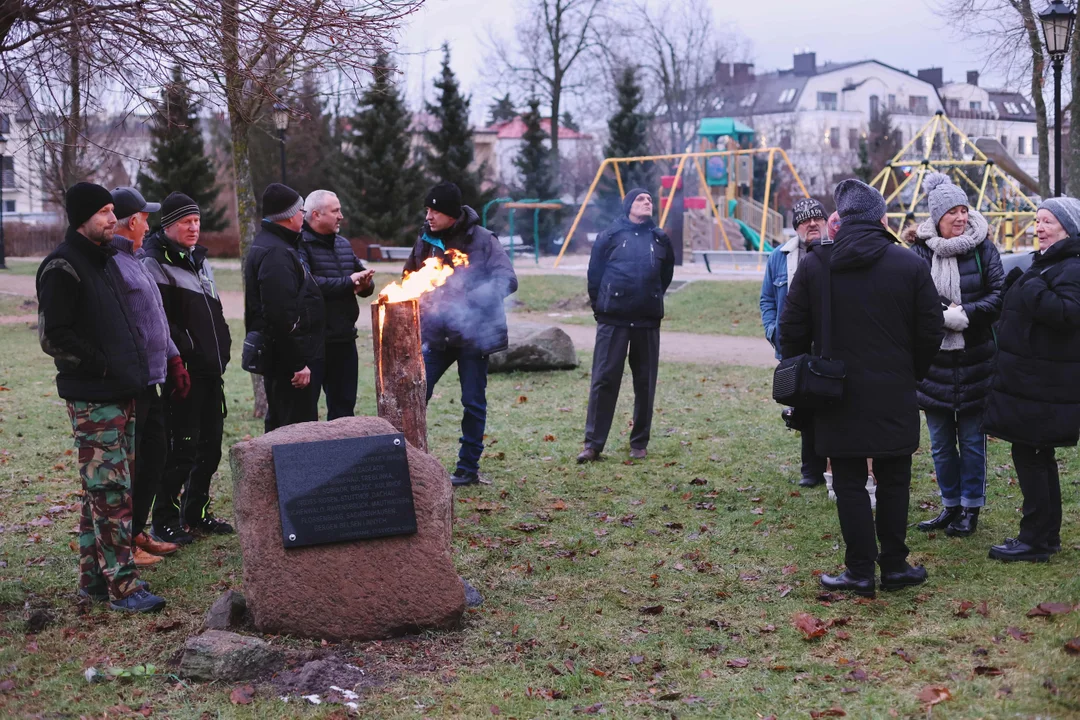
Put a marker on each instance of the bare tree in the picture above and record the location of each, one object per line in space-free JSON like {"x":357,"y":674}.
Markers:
{"x":555,"y":41}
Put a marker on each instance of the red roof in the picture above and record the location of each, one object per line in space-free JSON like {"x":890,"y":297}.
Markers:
{"x":515,"y":130}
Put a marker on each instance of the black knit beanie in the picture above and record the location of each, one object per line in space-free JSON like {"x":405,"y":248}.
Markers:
{"x":445,"y":198}
{"x":630,"y":197}
{"x":280,"y":202}
{"x":83,"y":200}
{"x":177,"y":206}
{"x":806,"y":209}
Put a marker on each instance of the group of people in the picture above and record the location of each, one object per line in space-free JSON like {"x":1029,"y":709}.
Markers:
{"x":938,"y":327}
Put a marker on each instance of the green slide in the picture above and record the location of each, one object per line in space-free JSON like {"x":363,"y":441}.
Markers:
{"x":753,"y":240}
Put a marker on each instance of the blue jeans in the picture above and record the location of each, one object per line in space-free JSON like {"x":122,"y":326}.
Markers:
{"x":472,"y":372}
{"x":961,"y":474}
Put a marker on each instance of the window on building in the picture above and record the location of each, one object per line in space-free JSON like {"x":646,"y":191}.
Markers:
{"x":919,"y":104}
{"x":874,"y":108}
{"x":5,"y":123}
{"x":892,"y":102}
{"x":785,"y":139}
{"x":853,"y":138}
{"x":975,"y":105}
{"x":954,"y":106}
{"x":749,"y":100}
{"x":9,"y":206}
{"x":920,"y":144}
{"x":899,"y":134}
{"x":834,"y":138}
{"x":1012,"y":108}
{"x":8,"y":175}
{"x":787,"y":96}
{"x":1026,"y":108}
{"x":1034,"y":146}
{"x":1020,"y":143}
{"x":1005,"y":141}
{"x":826,"y":101}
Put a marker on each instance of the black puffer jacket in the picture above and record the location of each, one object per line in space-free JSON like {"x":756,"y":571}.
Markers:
{"x":630,"y":269}
{"x":86,"y":325}
{"x":467,"y":311}
{"x":887,"y":326}
{"x":1036,"y":395}
{"x":959,"y":380}
{"x":331,"y":261}
{"x":196,"y":321}
{"x":282,"y":300}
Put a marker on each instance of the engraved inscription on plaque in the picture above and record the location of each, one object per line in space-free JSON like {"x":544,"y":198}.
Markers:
{"x":351,"y":489}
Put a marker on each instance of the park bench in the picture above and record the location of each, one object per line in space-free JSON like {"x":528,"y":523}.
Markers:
{"x":395,"y":253}
{"x":731,"y":260}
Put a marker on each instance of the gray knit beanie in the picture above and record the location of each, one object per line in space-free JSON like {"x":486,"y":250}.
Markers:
{"x":1067,"y":212}
{"x":942,"y":195}
{"x":855,"y":200}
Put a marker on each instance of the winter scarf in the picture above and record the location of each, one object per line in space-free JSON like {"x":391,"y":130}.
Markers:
{"x":944,"y":269}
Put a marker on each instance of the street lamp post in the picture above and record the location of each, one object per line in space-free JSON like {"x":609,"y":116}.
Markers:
{"x":281,"y":122}
{"x":3,"y":253}
{"x":1057,"y":22}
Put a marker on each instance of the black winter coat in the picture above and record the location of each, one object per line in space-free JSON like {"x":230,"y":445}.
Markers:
{"x":959,"y":380}
{"x":196,"y":321}
{"x":466,"y":312}
{"x":630,"y":269}
{"x":887,"y":326}
{"x":282,"y":300}
{"x":85,"y":323}
{"x":331,"y":261}
{"x":1036,"y":395}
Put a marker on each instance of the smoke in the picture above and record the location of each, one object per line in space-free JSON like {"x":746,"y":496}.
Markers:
{"x":466,"y":312}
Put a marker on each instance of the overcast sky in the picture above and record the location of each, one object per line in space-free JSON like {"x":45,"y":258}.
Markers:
{"x":907,"y":35}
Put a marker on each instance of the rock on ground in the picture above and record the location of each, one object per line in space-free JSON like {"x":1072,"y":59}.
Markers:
{"x":356,"y":590}
{"x":227,"y":612}
{"x":535,"y":347}
{"x":219,"y":655}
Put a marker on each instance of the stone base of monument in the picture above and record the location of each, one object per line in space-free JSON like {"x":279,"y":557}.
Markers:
{"x":352,"y":590}
{"x":535,"y":347}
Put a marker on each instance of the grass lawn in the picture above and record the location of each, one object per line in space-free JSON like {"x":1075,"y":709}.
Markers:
{"x":659,"y":588}
{"x":17,"y":305}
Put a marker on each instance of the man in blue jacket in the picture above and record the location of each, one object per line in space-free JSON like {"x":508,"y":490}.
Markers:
{"x":809,"y":219}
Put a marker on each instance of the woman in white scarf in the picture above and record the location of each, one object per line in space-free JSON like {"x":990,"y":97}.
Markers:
{"x":966,"y":269}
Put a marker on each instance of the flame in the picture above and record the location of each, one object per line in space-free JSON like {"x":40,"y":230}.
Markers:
{"x":433,"y":274}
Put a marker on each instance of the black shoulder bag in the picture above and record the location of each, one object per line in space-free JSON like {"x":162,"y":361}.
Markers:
{"x":813,"y":381}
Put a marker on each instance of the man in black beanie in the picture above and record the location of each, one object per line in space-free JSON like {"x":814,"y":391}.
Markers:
{"x":90,"y":331}
{"x":631,"y":266}
{"x":463,"y":321}
{"x":886,"y":327}
{"x":282,"y":301}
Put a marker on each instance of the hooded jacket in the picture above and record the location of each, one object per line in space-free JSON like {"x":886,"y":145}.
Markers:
{"x":887,"y":327}
{"x":959,"y":380}
{"x":196,"y":322}
{"x":331,"y":261}
{"x":282,"y":300}
{"x":630,"y":269}
{"x":1035,"y":398}
{"x":466,"y":312}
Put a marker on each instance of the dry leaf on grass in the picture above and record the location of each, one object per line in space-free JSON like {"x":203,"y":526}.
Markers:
{"x":809,"y":626}
{"x":242,"y":695}
{"x":933,"y":694}
{"x":738,"y":663}
{"x":831,"y":712}
{"x":1073,"y":646}
{"x":1049,"y":608}
{"x":1017,"y":634}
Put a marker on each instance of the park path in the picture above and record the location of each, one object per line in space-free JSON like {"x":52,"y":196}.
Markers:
{"x":674,"y":346}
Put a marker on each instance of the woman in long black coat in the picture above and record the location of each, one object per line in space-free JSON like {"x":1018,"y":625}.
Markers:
{"x":1035,"y":401}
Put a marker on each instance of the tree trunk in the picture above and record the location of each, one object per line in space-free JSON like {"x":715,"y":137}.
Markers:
{"x":1074,"y":108}
{"x":69,"y":156}
{"x":1038,"y":73}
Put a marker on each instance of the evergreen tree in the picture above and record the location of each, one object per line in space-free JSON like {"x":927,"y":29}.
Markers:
{"x":180,"y":162}
{"x":569,"y":122}
{"x":502,"y":110}
{"x":449,"y":150}
{"x":863,"y":170}
{"x":878,"y":148}
{"x":627,"y":137}
{"x":534,"y":163}
{"x":388,"y":187}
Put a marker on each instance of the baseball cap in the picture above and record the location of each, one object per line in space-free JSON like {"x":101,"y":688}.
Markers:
{"x":127,"y":201}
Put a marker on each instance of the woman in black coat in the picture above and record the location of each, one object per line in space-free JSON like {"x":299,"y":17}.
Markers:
{"x":967,"y":274}
{"x":1035,"y":401}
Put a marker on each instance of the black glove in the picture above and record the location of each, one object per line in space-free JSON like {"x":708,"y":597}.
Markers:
{"x":1014,"y":275}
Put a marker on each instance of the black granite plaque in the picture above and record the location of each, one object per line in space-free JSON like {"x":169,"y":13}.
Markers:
{"x":351,"y":489}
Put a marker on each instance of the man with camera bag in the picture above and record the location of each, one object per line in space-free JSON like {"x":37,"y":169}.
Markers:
{"x":886,"y":327}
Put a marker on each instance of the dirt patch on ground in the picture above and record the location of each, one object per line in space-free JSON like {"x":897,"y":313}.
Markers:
{"x":572,"y":304}
{"x":326,"y":676}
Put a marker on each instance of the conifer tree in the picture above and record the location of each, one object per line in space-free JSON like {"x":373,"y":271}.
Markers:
{"x":449,"y":150}
{"x":180,"y":162}
{"x":387,"y":185}
{"x":627,"y":137}
{"x":502,"y":110}
{"x":534,"y":163}
{"x":569,"y":122}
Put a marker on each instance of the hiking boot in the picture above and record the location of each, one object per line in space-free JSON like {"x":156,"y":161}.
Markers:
{"x":461,"y":478}
{"x":638,"y":453}
{"x":140,"y":601}
{"x":155,"y":547}
{"x":588,"y":455}
{"x":171,"y":532}
{"x":965,"y":524}
{"x":144,"y":559}
{"x":944,"y":518}
{"x":1012,"y":550}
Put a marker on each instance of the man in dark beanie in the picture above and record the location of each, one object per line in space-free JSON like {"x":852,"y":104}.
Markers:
{"x":630,"y":269}
{"x":886,"y":329}
{"x":89,"y":329}
{"x":463,"y":321}
{"x":808,"y":219}
{"x":194,"y":422}
{"x":282,"y":301}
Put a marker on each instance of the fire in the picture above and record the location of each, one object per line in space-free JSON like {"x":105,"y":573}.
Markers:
{"x":433,"y":274}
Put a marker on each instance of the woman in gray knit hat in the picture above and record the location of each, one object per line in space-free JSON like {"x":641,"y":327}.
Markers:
{"x":967,"y":272}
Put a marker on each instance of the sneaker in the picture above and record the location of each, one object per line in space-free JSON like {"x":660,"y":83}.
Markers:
{"x":155,"y":547}
{"x":171,"y":532}
{"x":210,"y":525}
{"x":460,"y":478}
{"x":140,"y":601}
{"x":145,"y":559}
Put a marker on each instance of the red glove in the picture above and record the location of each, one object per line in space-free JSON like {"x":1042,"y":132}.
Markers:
{"x":181,"y":381}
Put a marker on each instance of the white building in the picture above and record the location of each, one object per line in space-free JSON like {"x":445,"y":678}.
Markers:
{"x":22,"y":172}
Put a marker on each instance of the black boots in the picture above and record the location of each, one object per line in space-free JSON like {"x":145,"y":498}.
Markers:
{"x":1012,"y":550}
{"x":846,"y":582}
{"x":941,"y":521}
{"x":965,"y":524}
{"x":908,"y":577}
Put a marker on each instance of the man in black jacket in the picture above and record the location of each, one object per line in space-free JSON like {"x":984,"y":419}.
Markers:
{"x":194,"y":424}
{"x":282,"y":301}
{"x":463,"y":321}
{"x":341,"y":277}
{"x":886,"y":329}
{"x":630,"y":269}
{"x":90,"y":331}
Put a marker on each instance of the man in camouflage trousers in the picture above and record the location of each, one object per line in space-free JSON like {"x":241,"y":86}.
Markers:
{"x":86,"y":325}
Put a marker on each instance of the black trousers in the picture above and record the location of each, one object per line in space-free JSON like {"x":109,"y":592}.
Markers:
{"x":337,"y":376}
{"x":151,"y":448}
{"x":287,"y":405}
{"x":857,"y":521}
{"x":194,"y":427}
{"x":1037,"y":473}
{"x":613,"y":344}
{"x":813,"y":465}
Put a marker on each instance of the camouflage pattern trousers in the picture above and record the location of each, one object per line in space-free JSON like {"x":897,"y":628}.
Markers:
{"x":105,"y":439}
